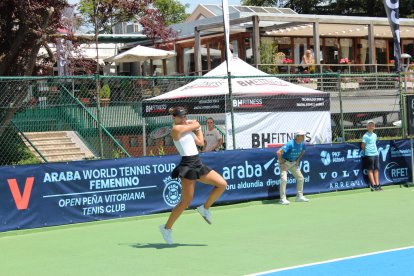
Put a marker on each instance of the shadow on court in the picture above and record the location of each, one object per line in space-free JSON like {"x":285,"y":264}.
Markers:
{"x":270,"y":201}
{"x":161,"y":245}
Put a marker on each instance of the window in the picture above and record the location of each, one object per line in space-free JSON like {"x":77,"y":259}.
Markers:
{"x":408,"y":47}
{"x":300,"y":44}
{"x":346,"y":48}
{"x":188,"y":61}
{"x":331,"y":46}
{"x":381,"y":51}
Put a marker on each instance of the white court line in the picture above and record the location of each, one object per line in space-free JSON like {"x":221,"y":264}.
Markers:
{"x":330,"y":261}
{"x":98,"y":192}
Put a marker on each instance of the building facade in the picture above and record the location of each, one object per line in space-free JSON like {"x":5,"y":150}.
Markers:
{"x":258,"y":34}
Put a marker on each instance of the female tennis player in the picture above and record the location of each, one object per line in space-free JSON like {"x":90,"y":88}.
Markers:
{"x":187,"y":135}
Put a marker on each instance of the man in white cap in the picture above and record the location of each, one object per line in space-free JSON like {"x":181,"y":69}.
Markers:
{"x":289,"y":156}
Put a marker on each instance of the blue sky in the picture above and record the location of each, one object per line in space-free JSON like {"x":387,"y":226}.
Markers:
{"x":193,"y":3}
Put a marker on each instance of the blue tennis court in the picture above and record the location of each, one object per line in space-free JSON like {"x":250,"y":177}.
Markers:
{"x":391,"y":262}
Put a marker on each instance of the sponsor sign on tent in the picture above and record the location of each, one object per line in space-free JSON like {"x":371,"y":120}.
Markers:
{"x":256,"y":98}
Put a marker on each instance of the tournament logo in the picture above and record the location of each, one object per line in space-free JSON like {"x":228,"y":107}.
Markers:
{"x":325,"y":158}
{"x":394,"y":173}
{"x":172,"y":191}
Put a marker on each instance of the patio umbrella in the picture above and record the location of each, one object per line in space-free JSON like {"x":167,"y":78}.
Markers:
{"x":141,"y":53}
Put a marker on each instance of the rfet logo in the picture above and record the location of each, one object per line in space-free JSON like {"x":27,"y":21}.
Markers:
{"x":21,"y":199}
{"x":395,"y":173}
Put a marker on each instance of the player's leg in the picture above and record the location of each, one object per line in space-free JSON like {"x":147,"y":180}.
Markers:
{"x":371,"y":172}
{"x":367,"y":164}
{"x":376,"y":174}
{"x":187,"y":187}
{"x":283,"y":181}
{"x":297,"y":174}
{"x":219,"y":183}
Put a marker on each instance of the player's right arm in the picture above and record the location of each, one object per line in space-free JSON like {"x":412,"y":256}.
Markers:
{"x":280,"y":158}
{"x":178,"y":130}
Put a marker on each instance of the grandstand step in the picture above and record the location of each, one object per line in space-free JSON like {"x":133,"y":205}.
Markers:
{"x":46,"y":139}
{"x":34,"y":135}
{"x":60,"y":151}
{"x":51,"y":142}
{"x":58,"y":146}
{"x":54,"y":146}
{"x":66,"y":158}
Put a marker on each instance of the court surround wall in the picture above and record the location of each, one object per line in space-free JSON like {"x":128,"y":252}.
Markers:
{"x":42,"y":195}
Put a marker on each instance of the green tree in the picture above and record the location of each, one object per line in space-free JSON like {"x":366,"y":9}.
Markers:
{"x":25,"y":27}
{"x":267,"y":50}
{"x":111,"y":12}
{"x":299,"y":6}
{"x":13,"y":150}
{"x":172,"y":11}
{"x":303,"y":6}
{"x":260,"y":3}
{"x":105,"y":92}
{"x":372,"y":8}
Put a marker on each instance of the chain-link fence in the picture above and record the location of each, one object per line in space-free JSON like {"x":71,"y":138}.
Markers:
{"x":357,"y":98}
{"x":72,"y":118}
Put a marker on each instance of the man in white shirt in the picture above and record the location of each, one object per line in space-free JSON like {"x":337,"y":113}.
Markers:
{"x":212,"y":137}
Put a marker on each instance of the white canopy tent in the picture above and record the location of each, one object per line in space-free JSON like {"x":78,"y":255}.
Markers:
{"x":254,"y":85}
{"x":141,"y":53}
{"x":267,"y":110}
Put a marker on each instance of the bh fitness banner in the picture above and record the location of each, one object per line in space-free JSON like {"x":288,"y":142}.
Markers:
{"x":258,"y":130}
{"x":54,"y":194}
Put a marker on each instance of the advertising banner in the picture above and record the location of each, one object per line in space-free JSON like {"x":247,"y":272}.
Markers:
{"x":217,"y":104}
{"x":201,"y":105}
{"x":409,"y":103}
{"x":257,"y":130}
{"x":280,"y":103}
{"x":43,"y":195}
{"x":393,"y":15}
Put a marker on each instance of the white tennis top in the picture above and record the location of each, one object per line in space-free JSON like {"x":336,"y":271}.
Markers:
{"x":186,"y":146}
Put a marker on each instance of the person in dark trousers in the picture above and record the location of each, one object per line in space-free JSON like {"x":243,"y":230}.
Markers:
{"x":289,"y":156}
{"x":370,"y":156}
{"x":187,"y":135}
